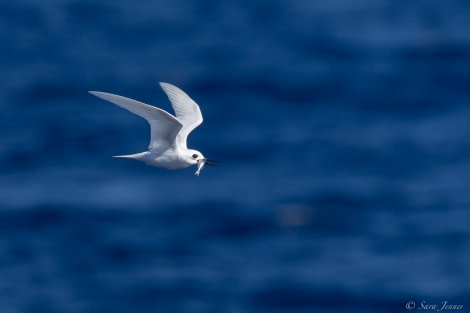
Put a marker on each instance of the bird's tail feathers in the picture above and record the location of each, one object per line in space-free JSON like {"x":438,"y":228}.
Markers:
{"x":136,"y":156}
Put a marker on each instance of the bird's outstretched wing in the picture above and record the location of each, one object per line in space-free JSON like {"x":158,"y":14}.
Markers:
{"x":186,"y":110}
{"x":164,"y":127}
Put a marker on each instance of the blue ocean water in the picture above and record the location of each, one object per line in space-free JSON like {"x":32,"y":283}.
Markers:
{"x":342,"y":129}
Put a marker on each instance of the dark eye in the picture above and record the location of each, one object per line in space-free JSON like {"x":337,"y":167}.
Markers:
{"x":194,"y":156}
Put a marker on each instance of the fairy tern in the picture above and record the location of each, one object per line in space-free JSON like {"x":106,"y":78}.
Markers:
{"x":168,"y":133}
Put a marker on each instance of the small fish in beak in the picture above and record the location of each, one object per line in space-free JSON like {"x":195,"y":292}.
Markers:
{"x":201,"y":163}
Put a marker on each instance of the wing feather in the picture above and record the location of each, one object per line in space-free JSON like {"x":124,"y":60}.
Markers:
{"x":164,"y":127}
{"x":186,"y":110}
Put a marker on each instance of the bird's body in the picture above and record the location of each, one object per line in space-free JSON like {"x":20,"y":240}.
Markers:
{"x":170,"y":159}
{"x":167,"y":148}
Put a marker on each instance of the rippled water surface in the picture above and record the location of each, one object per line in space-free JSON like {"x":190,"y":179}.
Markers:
{"x":342,"y":129}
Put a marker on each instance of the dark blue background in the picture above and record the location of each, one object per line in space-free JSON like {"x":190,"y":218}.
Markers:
{"x":342,"y":128}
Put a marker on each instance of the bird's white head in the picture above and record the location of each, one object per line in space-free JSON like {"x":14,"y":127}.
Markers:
{"x":195,"y":157}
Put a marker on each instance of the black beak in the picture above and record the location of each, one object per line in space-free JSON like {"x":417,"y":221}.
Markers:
{"x":211,"y":162}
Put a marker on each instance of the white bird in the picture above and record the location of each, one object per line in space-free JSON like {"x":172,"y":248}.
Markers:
{"x":168,"y":133}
